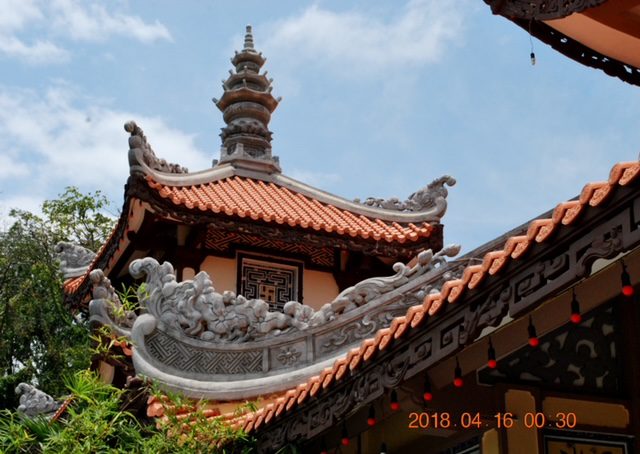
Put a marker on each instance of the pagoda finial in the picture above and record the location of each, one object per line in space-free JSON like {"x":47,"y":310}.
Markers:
{"x":247,"y":104}
{"x":248,"y":39}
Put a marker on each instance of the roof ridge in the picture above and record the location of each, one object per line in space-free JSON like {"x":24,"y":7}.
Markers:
{"x":565,"y":213}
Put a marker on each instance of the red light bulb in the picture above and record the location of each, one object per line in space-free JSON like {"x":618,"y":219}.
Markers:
{"x":492,"y":363}
{"x":427,"y":396}
{"x":395,"y":405}
{"x":627,"y":288}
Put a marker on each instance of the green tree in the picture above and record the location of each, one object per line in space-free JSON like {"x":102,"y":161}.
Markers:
{"x":40,"y":339}
{"x":96,"y":421}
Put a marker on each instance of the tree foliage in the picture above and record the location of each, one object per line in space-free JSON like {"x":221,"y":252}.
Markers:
{"x":95,"y":421}
{"x":39,"y":337}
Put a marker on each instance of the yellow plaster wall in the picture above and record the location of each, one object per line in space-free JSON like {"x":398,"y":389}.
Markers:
{"x":223,"y":272}
{"x":520,"y":438}
{"x":318,"y":288}
{"x":490,"y":442}
{"x":587,"y":412}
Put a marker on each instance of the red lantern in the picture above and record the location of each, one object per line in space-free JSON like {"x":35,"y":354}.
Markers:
{"x":427,"y":395}
{"x":491,"y":356}
{"x":371,"y":420}
{"x":457,"y":376}
{"x":627,"y":288}
{"x":533,"y":337}
{"x":345,"y":436}
{"x":395,"y":405}
{"x":576,"y":317}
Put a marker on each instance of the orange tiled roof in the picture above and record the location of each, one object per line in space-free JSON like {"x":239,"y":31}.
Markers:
{"x":539,"y":231}
{"x":72,"y":284}
{"x":269,"y":202}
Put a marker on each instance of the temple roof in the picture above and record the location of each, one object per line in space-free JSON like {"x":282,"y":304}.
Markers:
{"x":247,"y":185}
{"x":271,"y":202}
{"x":564,"y":216}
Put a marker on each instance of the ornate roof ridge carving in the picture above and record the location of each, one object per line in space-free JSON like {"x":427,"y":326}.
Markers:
{"x":432,"y":213}
{"x":191,"y":318}
{"x":141,"y":153}
{"x":34,"y":402}
{"x":74,"y":259}
{"x":432,"y":196}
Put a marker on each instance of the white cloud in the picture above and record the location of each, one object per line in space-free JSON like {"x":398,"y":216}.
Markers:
{"x":11,"y":168}
{"x":359,"y":42}
{"x":60,"y":140}
{"x":37,"y":53}
{"x":16,"y":13}
{"x":92,"y":22}
{"x":81,"y":21}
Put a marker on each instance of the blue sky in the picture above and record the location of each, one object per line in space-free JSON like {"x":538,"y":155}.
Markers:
{"x":379,"y":98}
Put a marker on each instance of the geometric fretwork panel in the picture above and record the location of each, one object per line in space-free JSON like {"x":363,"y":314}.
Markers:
{"x":222,"y":241}
{"x":187,"y":358}
{"x":272,"y":281}
{"x":582,"y":357}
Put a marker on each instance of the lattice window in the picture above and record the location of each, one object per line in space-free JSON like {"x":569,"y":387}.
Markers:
{"x":275,"y":281}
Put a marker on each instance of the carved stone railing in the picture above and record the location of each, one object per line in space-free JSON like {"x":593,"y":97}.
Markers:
{"x":205,"y":344}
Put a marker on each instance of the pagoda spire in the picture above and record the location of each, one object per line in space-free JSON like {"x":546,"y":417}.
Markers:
{"x":246,"y":105}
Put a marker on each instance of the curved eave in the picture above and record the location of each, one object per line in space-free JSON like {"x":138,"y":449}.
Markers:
{"x":565,"y":214}
{"x":604,"y":37}
{"x":612,"y":29}
{"x":223,"y":171}
{"x":269,"y":202}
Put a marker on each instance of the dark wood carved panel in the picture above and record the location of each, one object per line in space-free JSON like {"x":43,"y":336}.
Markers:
{"x":582,"y":357}
{"x":223,"y":242}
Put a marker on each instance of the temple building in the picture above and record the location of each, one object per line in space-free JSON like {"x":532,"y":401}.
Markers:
{"x":351,"y":324}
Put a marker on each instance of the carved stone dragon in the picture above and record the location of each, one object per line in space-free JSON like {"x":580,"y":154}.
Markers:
{"x":194,"y":308}
{"x":74,"y":259}
{"x":432,"y":195}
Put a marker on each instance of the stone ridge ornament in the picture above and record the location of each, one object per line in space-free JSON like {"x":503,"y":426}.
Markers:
{"x":34,"y":402}
{"x":540,"y":9}
{"x":106,"y":309}
{"x":74,"y":259}
{"x":140,"y":150}
{"x":205,"y":344}
{"x":432,"y":195}
{"x":194,"y":308}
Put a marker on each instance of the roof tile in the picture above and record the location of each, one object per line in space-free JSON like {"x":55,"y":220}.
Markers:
{"x":539,"y":231}
{"x":270,"y":202}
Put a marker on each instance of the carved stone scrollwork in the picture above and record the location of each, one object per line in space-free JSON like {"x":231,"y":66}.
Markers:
{"x":196,"y":309}
{"x":431,"y":196}
{"x":74,"y":259}
{"x":105,"y":308}
{"x":540,"y":9}
{"x":34,"y":402}
{"x":289,"y":356}
{"x":138,"y":142}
